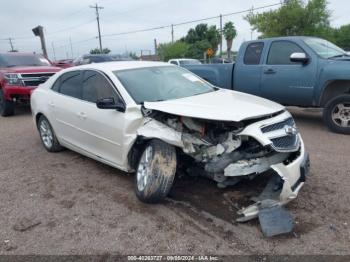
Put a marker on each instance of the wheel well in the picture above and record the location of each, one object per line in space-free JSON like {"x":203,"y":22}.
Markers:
{"x":333,"y":89}
{"x":38,"y":115}
{"x":136,"y":151}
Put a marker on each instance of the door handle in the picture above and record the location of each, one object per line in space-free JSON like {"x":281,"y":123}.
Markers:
{"x":82,"y":115}
{"x":51,"y":104}
{"x":269,"y":71}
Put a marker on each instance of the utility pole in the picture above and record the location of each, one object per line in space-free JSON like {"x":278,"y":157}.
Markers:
{"x":12,"y":49}
{"x":172,"y":33}
{"x":71,"y":46}
{"x":96,"y":7}
{"x":221,"y":33}
{"x":53,"y":49}
{"x":155,"y":46}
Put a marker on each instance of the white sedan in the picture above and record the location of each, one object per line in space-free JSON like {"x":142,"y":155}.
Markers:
{"x":154,"y":118}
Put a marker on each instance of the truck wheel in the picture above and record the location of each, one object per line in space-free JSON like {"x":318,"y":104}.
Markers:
{"x":48,"y":136}
{"x":7,"y":108}
{"x":336,"y":114}
{"x":155,"y":172}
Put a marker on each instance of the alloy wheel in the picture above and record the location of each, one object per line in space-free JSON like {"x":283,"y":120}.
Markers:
{"x":341,"y":115}
{"x":46,"y":133}
{"x":143,"y":171}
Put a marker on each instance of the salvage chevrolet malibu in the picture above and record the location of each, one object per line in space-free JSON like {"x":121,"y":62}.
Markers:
{"x":154,"y":118}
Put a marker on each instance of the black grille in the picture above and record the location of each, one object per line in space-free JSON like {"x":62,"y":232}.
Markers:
{"x":35,"y":79}
{"x":32,"y":82}
{"x":37,"y":75}
{"x":285,"y":142}
{"x":279,"y":125}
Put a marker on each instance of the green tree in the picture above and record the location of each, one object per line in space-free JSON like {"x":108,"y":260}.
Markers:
{"x":98,"y":51}
{"x":230,"y":33}
{"x":294,"y":17}
{"x":133,"y":56}
{"x":200,"y":39}
{"x":168,"y":51}
{"x":342,"y":37}
{"x":197,"y":49}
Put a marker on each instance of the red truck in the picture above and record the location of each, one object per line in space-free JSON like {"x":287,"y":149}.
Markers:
{"x":20,"y":74}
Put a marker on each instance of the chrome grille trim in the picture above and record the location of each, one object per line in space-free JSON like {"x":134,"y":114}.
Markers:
{"x":280,"y":125}
{"x":35,"y":79}
{"x":281,"y":140}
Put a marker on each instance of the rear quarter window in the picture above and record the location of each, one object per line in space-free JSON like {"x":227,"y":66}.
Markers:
{"x":253,"y":53}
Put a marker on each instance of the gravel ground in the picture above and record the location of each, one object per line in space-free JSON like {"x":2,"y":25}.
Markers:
{"x":68,"y":204}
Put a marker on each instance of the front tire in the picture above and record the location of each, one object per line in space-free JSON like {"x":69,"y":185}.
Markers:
{"x":7,"y":108}
{"x":336,"y":114}
{"x":155,"y":172}
{"x":47,"y":135}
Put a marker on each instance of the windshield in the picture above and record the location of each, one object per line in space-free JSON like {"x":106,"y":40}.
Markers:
{"x":161,"y":83}
{"x":324,"y":48}
{"x":190,"y":62}
{"x":10,"y":60}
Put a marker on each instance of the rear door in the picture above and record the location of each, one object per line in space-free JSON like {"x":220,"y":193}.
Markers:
{"x":284,"y":81}
{"x":247,"y":71}
{"x":65,"y":103}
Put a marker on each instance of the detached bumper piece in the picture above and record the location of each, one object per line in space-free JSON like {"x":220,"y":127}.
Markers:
{"x":275,"y":221}
{"x":282,"y":187}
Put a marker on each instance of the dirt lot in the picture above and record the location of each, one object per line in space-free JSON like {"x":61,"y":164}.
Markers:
{"x":68,"y":204}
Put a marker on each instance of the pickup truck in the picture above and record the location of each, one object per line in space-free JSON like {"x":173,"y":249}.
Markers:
{"x":294,"y":71}
{"x":20,"y":74}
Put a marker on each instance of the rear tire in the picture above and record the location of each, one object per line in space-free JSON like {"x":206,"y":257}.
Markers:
{"x":47,"y":135}
{"x":7,"y":108}
{"x":155,"y":172}
{"x":336,"y":114}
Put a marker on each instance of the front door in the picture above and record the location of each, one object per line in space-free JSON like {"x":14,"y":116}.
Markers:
{"x":286,"y":82}
{"x":102,"y":129}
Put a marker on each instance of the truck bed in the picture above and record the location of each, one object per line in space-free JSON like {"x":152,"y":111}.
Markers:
{"x":220,"y":75}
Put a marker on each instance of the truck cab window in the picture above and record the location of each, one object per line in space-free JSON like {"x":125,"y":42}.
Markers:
{"x":253,"y":53}
{"x":280,"y":52}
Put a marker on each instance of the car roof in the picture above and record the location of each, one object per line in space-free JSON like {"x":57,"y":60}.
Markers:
{"x":183,"y":59}
{"x":282,"y":38}
{"x":119,"y":65}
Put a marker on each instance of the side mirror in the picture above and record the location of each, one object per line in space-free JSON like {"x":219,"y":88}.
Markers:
{"x":299,"y":58}
{"x":109,"y":103}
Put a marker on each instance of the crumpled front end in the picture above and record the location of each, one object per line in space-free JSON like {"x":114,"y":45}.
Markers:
{"x":228,"y":152}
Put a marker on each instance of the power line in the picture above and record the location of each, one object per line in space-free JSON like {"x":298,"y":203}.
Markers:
{"x":97,"y":8}
{"x":189,"y":22}
{"x":70,"y":28}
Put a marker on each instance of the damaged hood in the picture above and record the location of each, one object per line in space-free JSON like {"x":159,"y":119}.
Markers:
{"x":222,"y":105}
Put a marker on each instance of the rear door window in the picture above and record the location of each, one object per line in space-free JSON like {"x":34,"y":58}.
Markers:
{"x":70,"y":84}
{"x":253,"y":53}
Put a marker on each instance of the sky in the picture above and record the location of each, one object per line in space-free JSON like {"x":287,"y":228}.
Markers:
{"x":73,"y":21}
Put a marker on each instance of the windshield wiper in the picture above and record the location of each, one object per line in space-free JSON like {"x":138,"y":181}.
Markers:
{"x":336,"y":56}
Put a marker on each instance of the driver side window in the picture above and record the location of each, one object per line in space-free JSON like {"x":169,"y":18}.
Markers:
{"x":280,"y":52}
{"x":96,"y":86}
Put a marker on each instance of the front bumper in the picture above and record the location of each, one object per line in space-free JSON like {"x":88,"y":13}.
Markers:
{"x":293,"y":176}
{"x":22,"y":92}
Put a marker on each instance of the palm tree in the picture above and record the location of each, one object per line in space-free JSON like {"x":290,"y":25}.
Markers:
{"x":230,"y":33}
